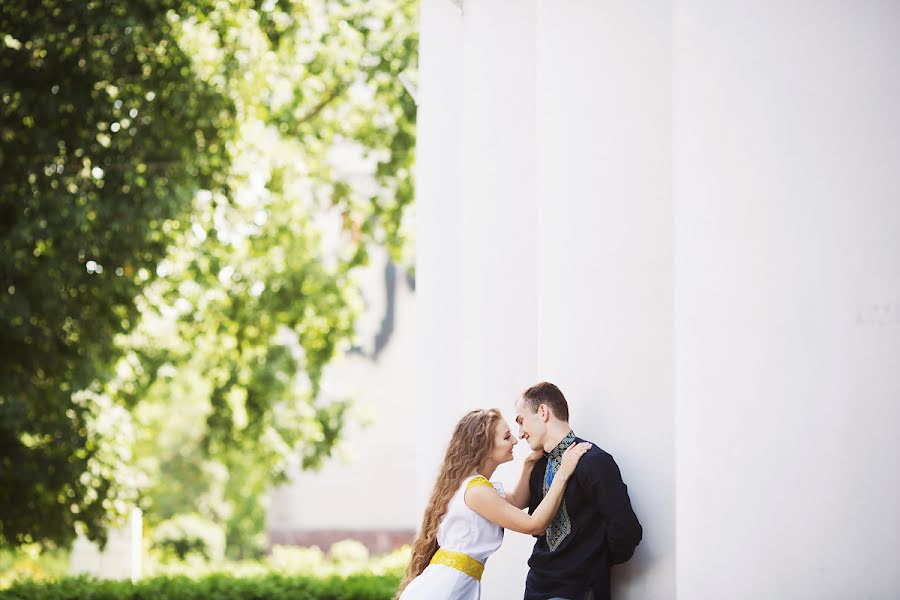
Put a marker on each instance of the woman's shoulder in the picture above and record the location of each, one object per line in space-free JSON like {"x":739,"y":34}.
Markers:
{"x":475,"y":481}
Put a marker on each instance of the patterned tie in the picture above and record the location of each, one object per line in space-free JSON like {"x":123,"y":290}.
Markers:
{"x":561,"y":526}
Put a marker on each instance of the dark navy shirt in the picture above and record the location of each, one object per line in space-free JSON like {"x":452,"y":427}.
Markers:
{"x":604,"y":530}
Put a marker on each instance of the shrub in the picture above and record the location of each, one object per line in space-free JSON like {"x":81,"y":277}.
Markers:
{"x":31,"y":561}
{"x":271,"y":587}
{"x":190,"y":534}
{"x":296,"y":560}
{"x":349,"y":555}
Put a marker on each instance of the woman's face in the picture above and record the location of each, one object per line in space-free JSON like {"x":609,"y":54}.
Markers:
{"x":504,"y":441}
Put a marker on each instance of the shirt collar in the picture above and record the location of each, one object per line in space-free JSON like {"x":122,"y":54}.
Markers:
{"x":557,"y":452}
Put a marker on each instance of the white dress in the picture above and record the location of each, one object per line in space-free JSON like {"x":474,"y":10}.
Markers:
{"x":461,"y":530}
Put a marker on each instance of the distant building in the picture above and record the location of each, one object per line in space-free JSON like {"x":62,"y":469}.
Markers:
{"x":365,"y":491}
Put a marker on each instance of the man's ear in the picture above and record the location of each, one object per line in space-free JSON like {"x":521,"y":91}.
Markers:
{"x":545,"y":412}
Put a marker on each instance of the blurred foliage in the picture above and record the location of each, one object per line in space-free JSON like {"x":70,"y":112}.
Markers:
{"x":187,"y":190}
{"x":31,"y":562}
{"x":344,"y":559}
{"x":270,"y":587}
{"x":186,"y":533}
{"x":105,"y":136}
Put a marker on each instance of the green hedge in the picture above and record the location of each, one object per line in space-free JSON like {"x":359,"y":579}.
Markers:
{"x":224,"y":587}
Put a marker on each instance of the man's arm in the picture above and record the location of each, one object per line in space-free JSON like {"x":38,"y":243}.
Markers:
{"x":609,"y":492}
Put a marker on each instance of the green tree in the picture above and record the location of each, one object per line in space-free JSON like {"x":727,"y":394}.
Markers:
{"x":106,"y":134}
{"x":258,"y":292}
{"x":231,"y":319}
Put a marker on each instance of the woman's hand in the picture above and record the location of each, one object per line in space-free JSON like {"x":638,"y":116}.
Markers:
{"x":571,"y":457}
{"x":535,"y":456}
{"x":519,"y":495}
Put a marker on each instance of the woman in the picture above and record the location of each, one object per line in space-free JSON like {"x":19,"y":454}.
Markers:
{"x":465,"y":517}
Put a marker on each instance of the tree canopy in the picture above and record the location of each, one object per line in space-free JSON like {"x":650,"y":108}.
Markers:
{"x":187,"y":189}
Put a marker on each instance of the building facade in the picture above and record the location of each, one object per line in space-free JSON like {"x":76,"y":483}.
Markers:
{"x":687,"y":215}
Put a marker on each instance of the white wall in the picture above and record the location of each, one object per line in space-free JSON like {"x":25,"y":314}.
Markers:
{"x":439,"y":400}
{"x":537,"y":296}
{"x":121,"y":558}
{"x":693,"y":209}
{"x":787,"y":146}
{"x":499,"y":275}
{"x":379,"y":432}
{"x":477,"y":336}
{"x":605,"y":238}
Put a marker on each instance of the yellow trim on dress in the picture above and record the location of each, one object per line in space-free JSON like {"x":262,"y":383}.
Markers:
{"x":460,"y":561}
{"x":476,"y":481}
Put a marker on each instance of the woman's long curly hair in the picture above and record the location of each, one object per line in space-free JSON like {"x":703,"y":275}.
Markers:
{"x":472,"y":441}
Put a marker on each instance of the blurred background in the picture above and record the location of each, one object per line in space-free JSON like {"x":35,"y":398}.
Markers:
{"x":233,"y":343}
{"x":207,"y":283}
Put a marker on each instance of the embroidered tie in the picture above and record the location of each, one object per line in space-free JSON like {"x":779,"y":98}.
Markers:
{"x":561,"y":526}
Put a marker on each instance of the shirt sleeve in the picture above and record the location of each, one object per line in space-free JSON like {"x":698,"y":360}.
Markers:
{"x":610,"y":495}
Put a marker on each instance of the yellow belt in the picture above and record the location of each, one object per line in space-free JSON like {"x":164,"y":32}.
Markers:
{"x":459,"y":561}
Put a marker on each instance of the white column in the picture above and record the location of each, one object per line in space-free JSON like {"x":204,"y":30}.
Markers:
{"x":120,"y":559}
{"x":136,"y":524}
{"x":731,"y":335}
{"x":439,"y":238}
{"x":499,"y":276}
{"x":564,"y":255}
{"x":788,"y":299}
{"x":605,"y":239}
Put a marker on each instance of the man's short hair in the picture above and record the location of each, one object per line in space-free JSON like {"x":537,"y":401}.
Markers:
{"x":546,"y":393}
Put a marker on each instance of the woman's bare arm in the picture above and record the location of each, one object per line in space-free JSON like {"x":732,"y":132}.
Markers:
{"x":520,"y":493}
{"x":488,"y":503}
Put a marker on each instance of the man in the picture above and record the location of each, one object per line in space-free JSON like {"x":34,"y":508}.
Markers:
{"x":595,"y":526}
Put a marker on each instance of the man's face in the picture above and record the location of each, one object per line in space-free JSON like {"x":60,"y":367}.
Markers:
{"x":532,"y":425}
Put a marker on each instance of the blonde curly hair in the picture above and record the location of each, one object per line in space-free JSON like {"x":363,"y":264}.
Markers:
{"x":472,"y":441}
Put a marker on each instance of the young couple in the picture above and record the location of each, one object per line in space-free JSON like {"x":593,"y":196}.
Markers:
{"x":578,"y":507}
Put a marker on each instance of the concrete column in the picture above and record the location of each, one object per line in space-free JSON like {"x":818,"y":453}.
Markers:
{"x":439,"y":236}
{"x":708,"y":266}
{"x":605,"y":239}
{"x":120,"y":559}
{"x":499,"y":250}
{"x":787,"y":142}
